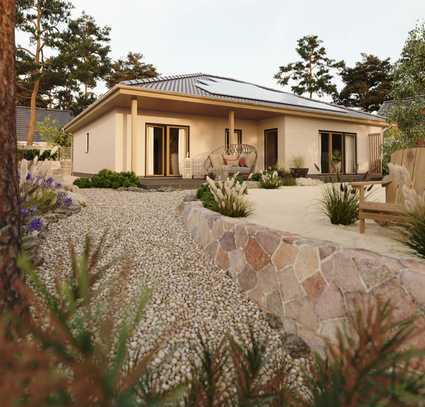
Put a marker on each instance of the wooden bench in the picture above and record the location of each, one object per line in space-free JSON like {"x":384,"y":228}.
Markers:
{"x":392,"y":210}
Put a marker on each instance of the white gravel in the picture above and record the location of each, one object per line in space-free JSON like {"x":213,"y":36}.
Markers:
{"x":190,"y":294}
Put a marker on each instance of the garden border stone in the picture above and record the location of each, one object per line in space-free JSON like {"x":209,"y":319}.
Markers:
{"x":311,"y":285}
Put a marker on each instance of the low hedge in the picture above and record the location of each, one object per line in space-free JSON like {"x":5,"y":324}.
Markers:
{"x":30,"y":154}
{"x":109,"y":179}
{"x":206,"y":197}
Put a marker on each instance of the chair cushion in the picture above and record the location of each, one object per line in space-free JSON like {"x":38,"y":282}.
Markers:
{"x":242,"y":161}
{"x":232,"y":160}
{"x":234,"y":169}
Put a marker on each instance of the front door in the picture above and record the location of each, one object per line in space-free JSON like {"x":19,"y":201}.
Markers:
{"x":270,"y":148}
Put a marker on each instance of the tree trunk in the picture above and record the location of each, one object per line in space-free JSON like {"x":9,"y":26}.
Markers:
{"x":37,"y":73}
{"x":9,"y":202}
{"x":33,"y":112}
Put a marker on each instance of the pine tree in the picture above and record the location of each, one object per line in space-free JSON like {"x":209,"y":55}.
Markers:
{"x":42,"y":20}
{"x":84,"y":60}
{"x":367,"y":84}
{"x":9,"y":203}
{"x":131,"y":68}
{"x":312,"y":73}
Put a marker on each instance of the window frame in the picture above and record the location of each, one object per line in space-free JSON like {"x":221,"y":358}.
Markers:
{"x":87,"y":143}
{"x":239,"y":134}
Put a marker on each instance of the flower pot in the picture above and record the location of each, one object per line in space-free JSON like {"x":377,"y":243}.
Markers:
{"x":299,"y":172}
{"x":420,"y":142}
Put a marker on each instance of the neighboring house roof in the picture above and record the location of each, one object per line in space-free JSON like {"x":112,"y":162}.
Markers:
{"x":23,"y":116}
{"x":234,"y":90}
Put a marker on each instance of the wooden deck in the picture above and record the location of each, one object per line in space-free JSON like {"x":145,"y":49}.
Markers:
{"x":174,"y":182}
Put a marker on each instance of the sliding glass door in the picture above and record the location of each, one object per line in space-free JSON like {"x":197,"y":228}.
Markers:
{"x":338,"y":152}
{"x":166,"y":148}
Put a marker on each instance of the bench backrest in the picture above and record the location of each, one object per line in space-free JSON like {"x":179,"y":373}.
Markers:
{"x":413,"y":159}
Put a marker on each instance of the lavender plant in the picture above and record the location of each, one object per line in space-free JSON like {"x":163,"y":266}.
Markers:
{"x":39,"y":193}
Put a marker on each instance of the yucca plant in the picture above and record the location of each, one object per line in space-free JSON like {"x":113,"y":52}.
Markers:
{"x":230,"y":196}
{"x":340,"y":203}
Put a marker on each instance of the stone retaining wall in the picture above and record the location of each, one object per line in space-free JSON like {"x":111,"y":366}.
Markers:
{"x":310,"y":285}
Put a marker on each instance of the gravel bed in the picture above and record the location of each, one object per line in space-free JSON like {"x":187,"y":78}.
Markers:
{"x":190,"y":294}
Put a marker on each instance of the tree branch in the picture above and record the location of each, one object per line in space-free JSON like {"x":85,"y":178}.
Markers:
{"x":26,"y":50}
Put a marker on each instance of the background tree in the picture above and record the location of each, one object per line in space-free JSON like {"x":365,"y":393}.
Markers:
{"x":408,"y":110}
{"x":367,"y":84}
{"x":42,"y":21}
{"x":83,"y":60}
{"x":9,"y":203}
{"x":312,"y":73}
{"x":132,"y":67}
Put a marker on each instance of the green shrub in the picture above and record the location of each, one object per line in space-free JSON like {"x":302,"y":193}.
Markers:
{"x":288,"y":181}
{"x":340,"y":203}
{"x":256,"y":176}
{"x":206,"y":197}
{"x":30,"y":154}
{"x":109,"y":179}
{"x":270,"y":180}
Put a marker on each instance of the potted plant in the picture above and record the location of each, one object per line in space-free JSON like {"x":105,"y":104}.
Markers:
{"x":336,"y":161}
{"x":298,"y":170}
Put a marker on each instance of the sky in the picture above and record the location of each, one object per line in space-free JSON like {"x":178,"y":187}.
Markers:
{"x":250,"y":39}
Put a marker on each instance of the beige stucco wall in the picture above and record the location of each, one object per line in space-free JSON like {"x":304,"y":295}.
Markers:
{"x":302,"y":139}
{"x":103,"y":150}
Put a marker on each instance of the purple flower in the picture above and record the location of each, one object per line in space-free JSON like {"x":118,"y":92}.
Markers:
{"x":33,"y":209}
{"x":58,"y":185}
{"x":29,"y":177}
{"x":49,"y":181}
{"x":36,"y":224}
{"x":25,"y":212}
{"x":67,"y":201}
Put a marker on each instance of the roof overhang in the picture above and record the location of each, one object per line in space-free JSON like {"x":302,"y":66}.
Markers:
{"x":153,"y":100}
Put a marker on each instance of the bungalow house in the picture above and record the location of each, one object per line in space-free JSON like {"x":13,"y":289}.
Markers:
{"x":153,"y":126}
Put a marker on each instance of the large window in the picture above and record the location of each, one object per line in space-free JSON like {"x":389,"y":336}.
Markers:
{"x":238,"y":134}
{"x":338,"y":152}
{"x":166,"y":148}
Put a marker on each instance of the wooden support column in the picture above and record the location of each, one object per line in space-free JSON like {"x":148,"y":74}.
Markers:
{"x":134,"y":143}
{"x":232,"y":128}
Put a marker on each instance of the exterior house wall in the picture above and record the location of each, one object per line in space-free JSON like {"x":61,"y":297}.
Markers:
{"x":206,"y":133}
{"x":302,"y":139}
{"x":102,"y":145}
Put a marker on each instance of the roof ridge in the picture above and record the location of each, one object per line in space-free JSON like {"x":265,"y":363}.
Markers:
{"x":45,"y":108}
{"x":162,"y":78}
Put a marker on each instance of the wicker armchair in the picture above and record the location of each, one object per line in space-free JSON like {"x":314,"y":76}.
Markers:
{"x":227,"y":160}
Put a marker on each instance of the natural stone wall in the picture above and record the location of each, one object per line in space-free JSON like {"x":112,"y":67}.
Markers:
{"x":310,"y":285}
